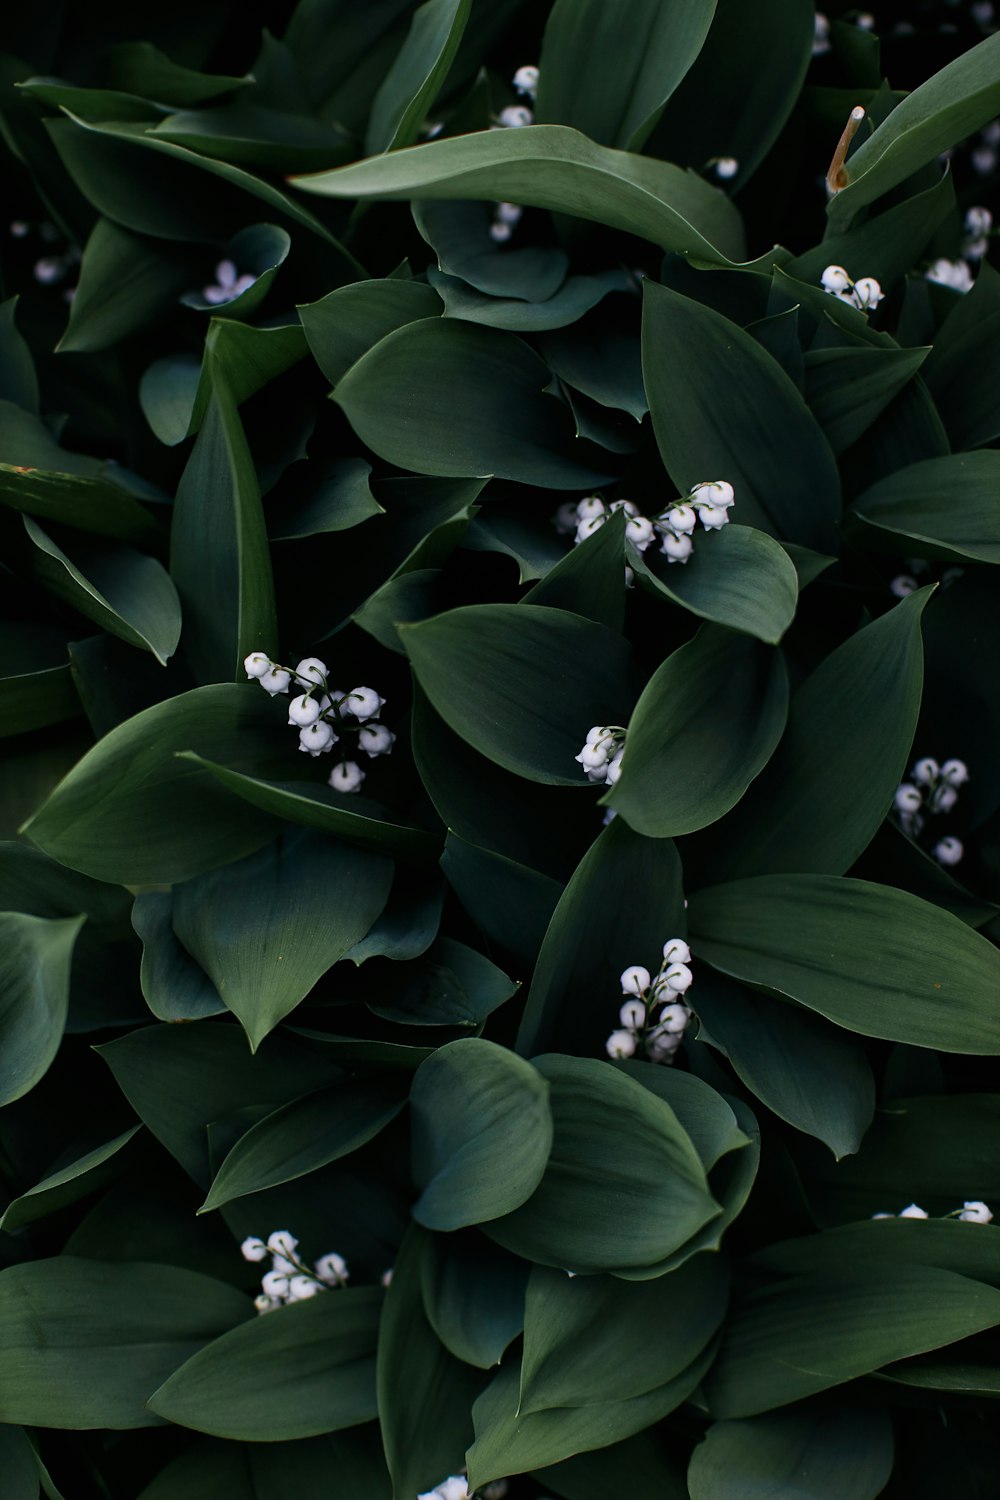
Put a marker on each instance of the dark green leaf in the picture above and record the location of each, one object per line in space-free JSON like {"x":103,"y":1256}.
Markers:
{"x":576,"y":296}
{"x":36,"y":688}
{"x":943,"y":507}
{"x":343,"y":499}
{"x":35,"y":957}
{"x":848,"y":389}
{"x":890,"y":1242}
{"x":473,"y":1297}
{"x":410,"y":86}
{"x":347,"y":322}
{"x":843,"y":1454}
{"x":126,"y":281}
{"x":175,"y":987}
{"x":85,"y":1175}
{"x":962,"y":371}
{"x":590,"y":579}
{"x":18,"y":1464}
{"x":738,"y":577}
{"x":450,"y":985}
{"x":18,"y":381}
{"x":509,"y":902}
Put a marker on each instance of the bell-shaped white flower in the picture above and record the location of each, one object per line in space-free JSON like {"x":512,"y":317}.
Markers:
{"x":614,"y":770}
{"x":452,"y":1488}
{"x":975,"y":1213}
{"x":587,"y":528}
{"x":346,"y":777}
{"x":948,"y":851}
{"x":661,"y":1044}
{"x":566,"y":518}
{"x":311,"y":672}
{"x":907,"y":799}
{"x":282,"y":1242}
{"x":640,"y":532}
{"x":676,"y":549}
{"x":676,"y":951}
{"x":682,"y":519}
{"x":265,"y":1304}
{"x":868,"y":292}
{"x":508,"y":213}
{"x":277,"y":680}
{"x":590,"y":507}
{"x":515,"y":116}
{"x":303,"y":711}
{"x":713,"y":492}
{"x":620,"y":1044}
{"x":275,"y":1284}
{"x":593,"y":757}
{"x":951,"y":273}
{"x":256,"y":664}
{"x":376,"y":739}
{"x":903,"y":585}
{"x":253,"y":1248}
{"x":628,"y":506}
{"x":500,"y":232}
{"x":525,"y":80}
{"x":835,"y":279}
{"x":713,"y":517}
{"x":978,"y":221}
{"x":726,"y":167}
{"x":332,"y":1269}
{"x":911,"y":1211}
{"x":674,"y":1017}
{"x":364,"y":703}
{"x":678,"y":977}
{"x":635,"y":980}
{"x":317,"y":739}
{"x":955,"y":772}
{"x":926,"y":771}
{"x":598,"y":732}
{"x":943,"y":798}
{"x":632,"y":1015}
{"x":300,"y":1287}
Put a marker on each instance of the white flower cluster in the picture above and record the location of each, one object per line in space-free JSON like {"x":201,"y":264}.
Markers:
{"x":455,"y":1487}
{"x":506,"y":216}
{"x":934,"y":790}
{"x":289,"y":1279}
{"x":865,"y":293}
{"x":315,"y":712}
{"x":655,"y":1012}
{"x":229,"y":284}
{"x":602,"y":753}
{"x":970,"y":1213}
{"x":950,"y":273}
{"x":708,"y":502}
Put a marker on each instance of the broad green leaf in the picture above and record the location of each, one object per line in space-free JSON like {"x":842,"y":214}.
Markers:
{"x":943,"y":507}
{"x":590,"y":579}
{"x":706,"y":1115}
{"x":609,"y":69}
{"x":875,"y":960}
{"x":244,"y":1471}
{"x":265,"y":930}
{"x":449,"y":985}
{"x":301,"y":1137}
{"x":167,"y":394}
{"x":272,"y":141}
{"x":355,"y":819}
{"x":706,"y":724}
{"x":87,"y":1342}
{"x":790,"y":1340}
{"x":341,"y":500}
{"x":624,"y":901}
{"x":439,"y":396}
{"x":35,"y":958}
{"x":552,"y":166}
{"x":811,"y":810}
{"x":459,"y":235}
{"x":510,"y":903}
{"x":408,"y":925}
{"x":18,"y":380}
{"x":347,"y":322}
{"x":738,"y":577}
{"x":408,"y":90}
{"x":93,"y":1170}
{"x":297,"y":1372}
{"x":128,"y":594}
{"x":473,"y":1297}
{"x":126,"y":281}
{"x":889,"y":1242}
{"x":424,"y":1393}
{"x":535,"y":549}
{"x":848,"y":389}
{"x":962,"y":370}
{"x":258,"y":250}
{"x":623,"y":1187}
{"x":722,"y":408}
{"x":842,"y":1454}
{"x":481,"y":1133}
{"x":576,"y":296}
{"x":36,"y":688}
{"x":889,"y":244}
{"x":652,"y":1474}
{"x":18,"y":1464}
{"x":603,"y":362}
{"x":815,"y":1076}
{"x":218,"y":547}
{"x":180,"y":1078}
{"x":522,"y":683}
{"x":174,"y":986}
{"x":130,"y":811}
{"x":950,"y":105}
{"x":141,"y":68}
{"x":586,"y":1338}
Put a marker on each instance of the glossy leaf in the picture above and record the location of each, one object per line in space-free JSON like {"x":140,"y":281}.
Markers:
{"x":174,"y":986}
{"x":85,"y":1175}
{"x":848,"y":389}
{"x":34,"y":996}
{"x":843,"y":1454}
{"x":126,"y":281}
{"x":473,"y":1296}
{"x":347,"y":322}
{"x":943,"y":507}
{"x":739,"y":577}
{"x":408,"y":89}
{"x":36,"y":688}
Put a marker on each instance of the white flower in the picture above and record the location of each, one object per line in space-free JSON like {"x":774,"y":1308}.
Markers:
{"x":632,"y":1015}
{"x":49,"y":270}
{"x":587,"y":528}
{"x":926,"y":771}
{"x":978,"y":221}
{"x":983,"y":159}
{"x":253,"y":1248}
{"x":332,"y":1268}
{"x":376,"y":739}
{"x":300,"y":1287}
{"x":256,"y":664}
{"x":903,"y":585}
{"x":628,"y":506}
{"x":713,"y":492}
{"x":317,"y":739}
{"x":883,"y":1216}
{"x":661,"y":1045}
{"x":678,"y":977}
{"x":229,"y":284}
{"x":566,"y":518}
{"x":452,"y":1488}
{"x":943,"y":799}
{"x":975,"y":1213}
{"x":620,"y":1044}
{"x":514,"y":116}
{"x":635,"y":980}
{"x":952,"y":273}
{"x":275,"y":1284}
{"x":640,"y":532}
{"x":500,"y":233}
{"x":19,"y":229}
{"x":508,"y":213}
{"x":525,"y":80}
{"x":948,"y":851}
{"x":868,"y":292}
{"x":311,"y":672}
{"x":284,"y":1265}
{"x":364,"y":703}
{"x":346,"y":777}
{"x":681,"y":519}
{"x":673,"y":1018}
{"x":955,"y":772}
{"x":590,"y":507}
{"x":865,"y":20}
{"x":676,"y":951}
{"x":277,"y":680}
{"x":907,"y":798}
{"x":677,"y":549}
{"x":835,"y":279}
{"x":911,"y":1211}
{"x":386,"y":1278}
{"x":726,"y":166}
{"x":303,"y":711}
{"x":821,"y":35}
{"x":593,"y":757}
{"x":713,"y":517}
{"x":614,"y":770}
{"x":282,"y":1242}
{"x":265,"y":1304}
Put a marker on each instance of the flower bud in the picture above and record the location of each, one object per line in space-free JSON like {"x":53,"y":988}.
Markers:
{"x":515,"y":116}
{"x":681,"y":519}
{"x":678,"y":977}
{"x":640,"y":532}
{"x":265,"y":1304}
{"x":587,"y":528}
{"x":955,"y":772}
{"x":598,"y":732}
{"x":620,"y":1044}
{"x":253,"y":1248}
{"x":677,"y":549}
{"x":713,"y":492}
{"x":912,"y":1212}
{"x":868,"y":292}
{"x":614,"y":770}
{"x":635,"y":980}
{"x":978,"y":221}
{"x":673,"y":1018}
{"x":903,"y":585}
{"x":509,"y":213}
{"x":835,"y":279}
{"x":632,"y":1015}
{"x":256,"y":664}
{"x":726,"y":167}
{"x":275,"y":1284}
{"x":376,"y":739}
{"x":525,"y":80}
{"x":948,"y":851}
{"x":942,"y":799}
{"x":676,"y":951}
{"x":275,"y":681}
{"x":311,"y":672}
{"x":332,"y":1268}
{"x":590,"y":507}
{"x":317,"y":739}
{"x":713,"y":517}
{"x":303,"y":711}
{"x":301,"y":1286}
{"x":592,"y":757}
{"x":346,"y":777}
{"x":500,"y":232}
{"x":628,"y":506}
{"x":661,"y":1045}
{"x":926,"y":771}
{"x":907,"y":798}
{"x":975,"y":1213}
{"x":364,"y":703}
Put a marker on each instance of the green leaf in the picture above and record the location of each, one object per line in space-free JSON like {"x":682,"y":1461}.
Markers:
{"x":652,"y":1475}
{"x":130,"y":811}
{"x":264,"y":929}
{"x":875,"y":960}
{"x":950,"y":105}
{"x":174,"y":987}
{"x":522,"y":683}
{"x":962,"y":369}
{"x":708,"y":1117}
{"x":210,"y":1469}
{"x":259,"y":250}
{"x":459,"y":235}
{"x":408,"y":90}
{"x":848,"y":389}
{"x":439,"y":396}
{"x":576,"y":296}
{"x":509,"y":902}
{"x":886,"y":1243}
{"x":586,"y":1338}
{"x":534,"y":549}
{"x":551,"y":166}
{"x":624,"y":900}
{"x":141,"y":68}
{"x":806,"y":1334}
{"x":36,"y":688}
{"x":34,"y":996}
{"x":87,"y":1342}
{"x":705,"y":726}
{"x":590,"y":579}
{"x":93,"y":1170}
{"x":482,"y":1132}
{"x":811,"y":810}
{"x":128,"y":594}
{"x":722,"y":408}
{"x":294,"y":1373}
{"x":18,"y":381}
{"x":126,"y":281}
{"x":738,"y":577}
{"x":251,"y":135}
{"x":814,"y":1076}
{"x":943,"y":507}
{"x":180,"y":1078}
{"x":623,"y":1187}
{"x":341,"y":500}
{"x":604,"y":363}
{"x":449,"y":985}
{"x":18,"y":1464}
{"x":473,"y":1297}
{"x":218,"y":546}
{"x":302,"y":1136}
{"x":351,"y":320}
{"x":843,"y":1454}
